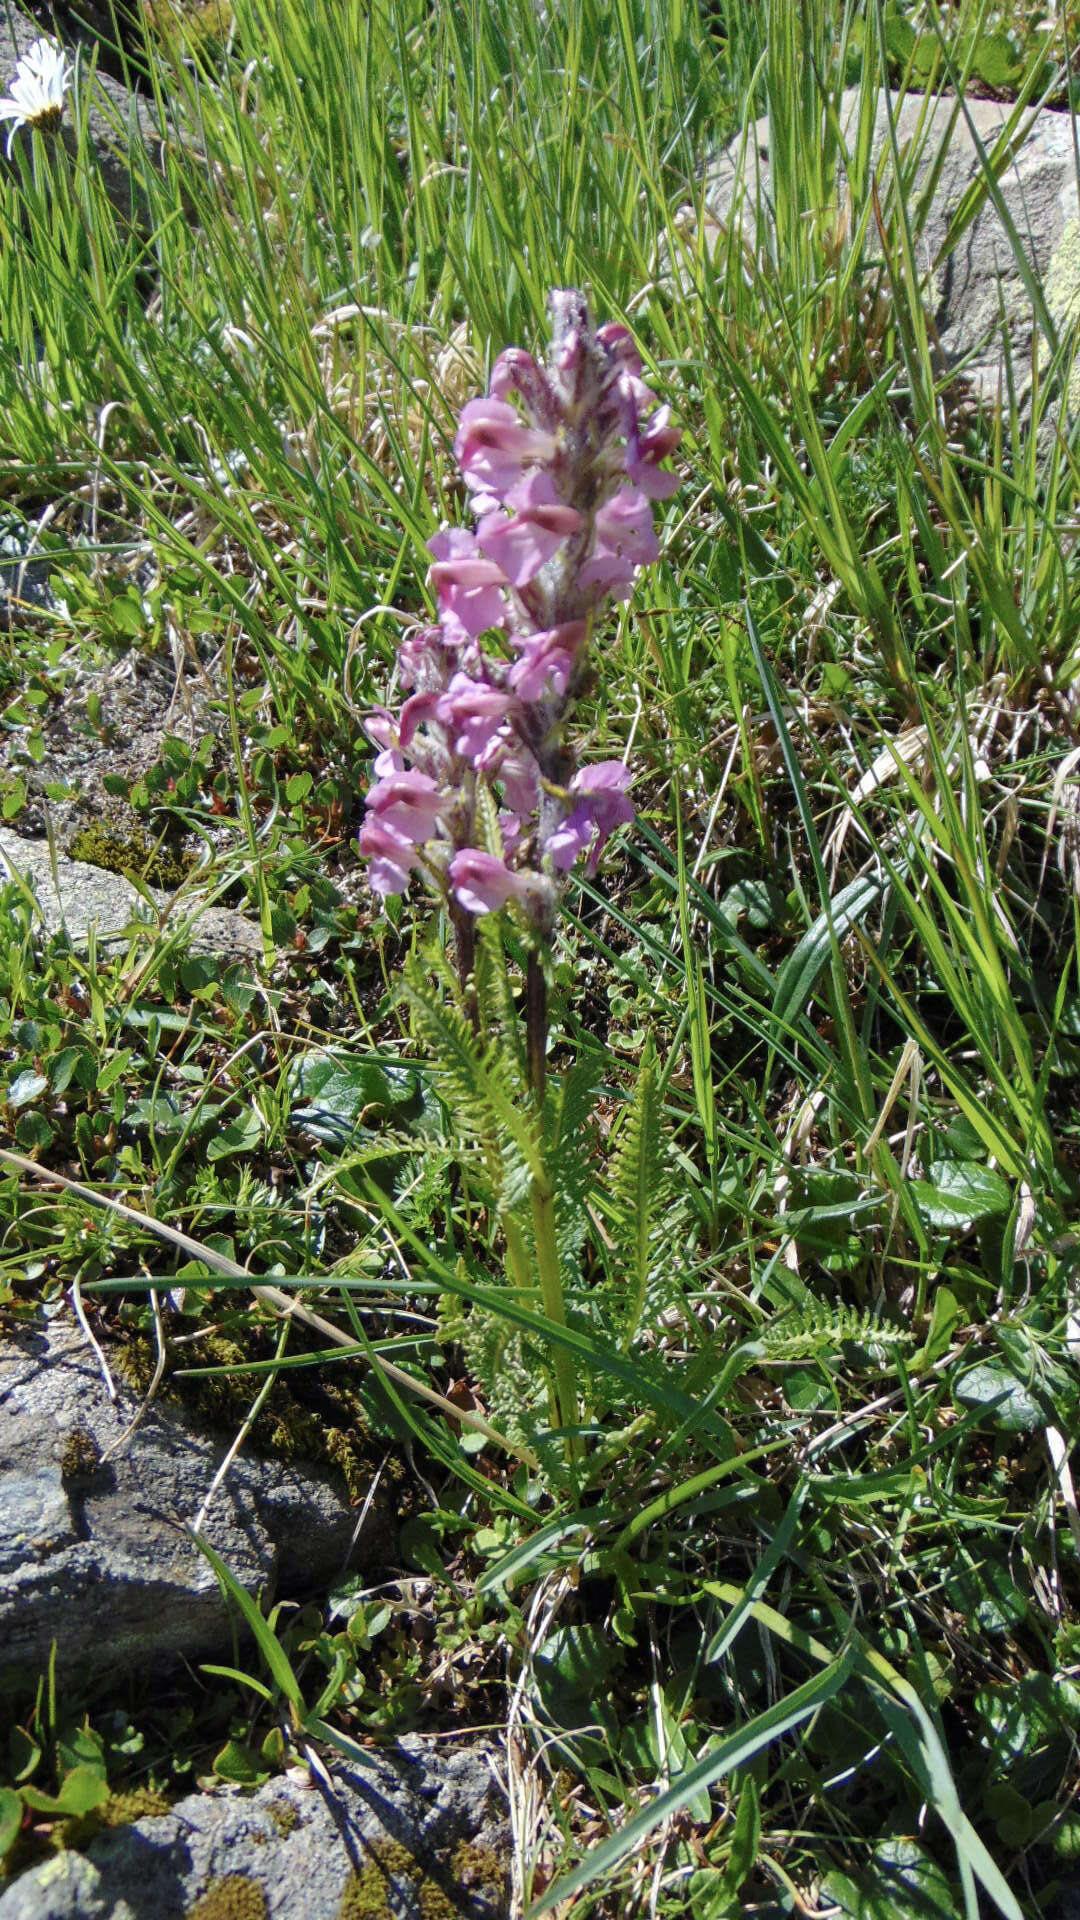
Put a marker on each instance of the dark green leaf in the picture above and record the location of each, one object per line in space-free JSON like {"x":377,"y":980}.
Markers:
{"x":995,"y":1392}
{"x":958,"y":1194}
{"x":11,"y":1816}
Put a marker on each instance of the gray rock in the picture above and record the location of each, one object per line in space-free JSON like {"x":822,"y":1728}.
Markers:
{"x":976,"y":289}
{"x":79,"y":896}
{"x":414,"y":1823}
{"x":111,"y":110}
{"x":95,"y":1553}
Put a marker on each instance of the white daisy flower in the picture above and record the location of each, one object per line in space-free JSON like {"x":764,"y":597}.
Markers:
{"x":41,"y":79}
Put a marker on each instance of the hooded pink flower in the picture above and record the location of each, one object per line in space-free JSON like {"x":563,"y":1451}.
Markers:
{"x":494,"y":448}
{"x":474,"y":711}
{"x":470,"y":588}
{"x":648,"y":445}
{"x":392,"y":855}
{"x":540,"y":524}
{"x":482,"y":883}
{"x":602,"y":806}
{"x":547,"y":661}
{"x":407,"y":803}
{"x":625,"y":540}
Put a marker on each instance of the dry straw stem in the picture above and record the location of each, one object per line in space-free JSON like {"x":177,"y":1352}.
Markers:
{"x":273,"y":1297}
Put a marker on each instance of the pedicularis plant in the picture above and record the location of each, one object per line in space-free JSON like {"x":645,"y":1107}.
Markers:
{"x":478,"y":786}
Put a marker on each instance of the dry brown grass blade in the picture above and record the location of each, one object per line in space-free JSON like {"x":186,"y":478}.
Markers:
{"x":273,"y":1297}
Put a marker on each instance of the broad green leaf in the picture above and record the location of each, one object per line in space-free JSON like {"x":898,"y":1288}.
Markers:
{"x":241,"y":1764}
{"x":349,"y":1090}
{"x":11,"y":1816}
{"x":998,"y":1394}
{"x":80,"y":1791}
{"x":902,"y":1882}
{"x":958,"y":1194}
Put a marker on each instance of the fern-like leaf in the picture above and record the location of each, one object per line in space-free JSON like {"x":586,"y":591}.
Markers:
{"x":570,"y":1161}
{"x":816,"y":1330}
{"x":636,"y":1178}
{"x":482,"y":1088}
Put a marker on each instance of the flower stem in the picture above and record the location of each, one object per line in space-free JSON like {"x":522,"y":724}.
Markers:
{"x":465,"y":953}
{"x":536,"y":1025}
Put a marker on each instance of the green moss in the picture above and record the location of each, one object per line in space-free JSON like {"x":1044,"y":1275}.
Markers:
{"x":132,"y":854}
{"x":369,"y":1895}
{"x":234,"y":1898}
{"x":478,"y":1868}
{"x":285,"y":1817}
{"x":80,"y":1455}
{"x":142,"y":1803}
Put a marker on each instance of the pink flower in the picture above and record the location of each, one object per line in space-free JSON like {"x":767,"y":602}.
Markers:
{"x":515,"y":371}
{"x":470,"y":588}
{"x":407,"y":803}
{"x":482,"y":883}
{"x":391,"y":854}
{"x":546,"y":663}
{"x":426,"y":659}
{"x":645,"y":447}
{"x":602,"y":806}
{"x":494,"y":448}
{"x":519,"y":777}
{"x":619,"y":342}
{"x":625,"y":540}
{"x":540,"y":524}
{"x":474,"y":711}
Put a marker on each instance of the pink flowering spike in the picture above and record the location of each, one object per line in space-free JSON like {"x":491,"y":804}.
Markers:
{"x":391,"y":854}
{"x":473,"y":711}
{"x":515,"y":371}
{"x":494,"y":448}
{"x":470,"y":588}
{"x":408,"y":803}
{"x":541,"y":523}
